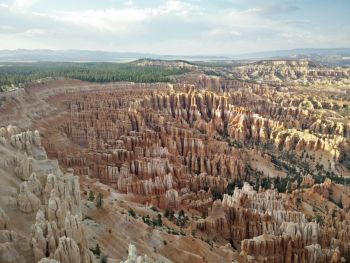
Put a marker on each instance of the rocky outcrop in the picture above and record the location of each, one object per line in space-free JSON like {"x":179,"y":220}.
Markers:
{"x":308,"y":181}
{"x":132,"y":256}
{"x":13,"y":246}
{"x":300,"y":72}
{"x":9,"y":254}
{"x":23,"y":166}
{"x":27,"y":201}
{"x":269,"y":248}
{"x":172,"y":200}
{"x":58,"y":232}
{"x":216,"y":221}
{"x":267,"y":230}
{"x":34,"y":185}
{"x":4,"y":220}
{"x":48,"y":260}
{"x":67,"y":251}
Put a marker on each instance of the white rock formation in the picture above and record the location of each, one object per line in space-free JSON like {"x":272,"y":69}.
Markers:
{"x":132,"y":256}
{"x":27,"y":201}
{"x":48,"y":260}
{"x":67,"y":251}
{"x":4,"y":220}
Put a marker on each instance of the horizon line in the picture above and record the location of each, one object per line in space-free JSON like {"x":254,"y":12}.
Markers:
{"x":176,"y":55}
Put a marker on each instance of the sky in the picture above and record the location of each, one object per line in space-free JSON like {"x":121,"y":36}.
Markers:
{"x":176,"y":27}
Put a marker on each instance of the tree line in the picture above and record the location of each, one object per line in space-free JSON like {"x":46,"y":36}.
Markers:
{"x":17,"y":73}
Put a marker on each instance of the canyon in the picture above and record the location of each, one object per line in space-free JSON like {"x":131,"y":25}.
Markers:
{"x":249,"y":165}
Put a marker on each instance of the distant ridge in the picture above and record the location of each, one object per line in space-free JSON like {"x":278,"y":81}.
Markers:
{"x":326,"y":55}
{"x":336,"y":56}
{"x":37,"y":55}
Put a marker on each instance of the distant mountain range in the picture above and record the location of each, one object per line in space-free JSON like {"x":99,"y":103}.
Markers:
{"x":338,"y":56}
{"x":299,"y":52}
{"x":26,"y":55}
{"x":334,"y":56}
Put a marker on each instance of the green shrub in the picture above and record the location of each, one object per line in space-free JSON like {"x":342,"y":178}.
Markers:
{"x":99,"y":200}
{"x":104,"y":259}
{"x":132,"y":213}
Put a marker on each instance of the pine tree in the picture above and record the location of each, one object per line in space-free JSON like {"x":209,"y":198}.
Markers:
{"x":289,"y":187}
{"x":159,"y":220}
{"x":98,"y":250}
{"x":166,"y":212}
{"x":99,"y":200}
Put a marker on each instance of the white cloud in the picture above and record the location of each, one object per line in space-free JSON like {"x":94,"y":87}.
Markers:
{"x":23,"y":4}
{"x":178,"y":8}
{"x":110,"y":20}
{"x":123,"y":20}
{"x":6,"y":28}
{"x":33,"y":32}
{"x":174,"y":26}
{"x":4,"y":5}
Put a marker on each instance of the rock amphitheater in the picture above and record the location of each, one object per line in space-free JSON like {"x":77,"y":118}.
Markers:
{"x":185,"y":172}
